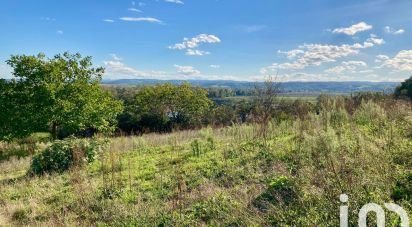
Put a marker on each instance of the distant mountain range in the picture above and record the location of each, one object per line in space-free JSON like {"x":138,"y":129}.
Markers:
{"x":300,"y":87}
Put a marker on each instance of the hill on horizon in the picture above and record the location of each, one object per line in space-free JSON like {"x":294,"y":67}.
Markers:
{"x":342,"y":87}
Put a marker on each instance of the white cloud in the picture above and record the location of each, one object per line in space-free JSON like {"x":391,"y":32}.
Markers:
{"x":175,"y":1}
{"x":195,"y":41}
{"x":354,"y":63}
{"x":60,"y":32}
{"x":292,"y":53}
{"x":393,"y":31}
{"x":214,"y":66}
{"x":401,"y":62}
{"x":117,"y":69}
{"x":352,"y":30}
{"x":47,"y":18}
{"x":135,"y":10}
{"x":141,"y":19}
{"x":304,"y":77}
{"x":115,"y":57}
{"x":347,"y":67}
{"x":318,"y":54}
{"x":187,"y":70}
{"x":252,"y":28}
{"x":108,"y":20}
{"x":191,"y":45}
{"x":315,"y":55}
{"x":192,"y":52}
{"x":5,"y":71}
{"x":399,"y":32}
{"x":380,"y":58}
{"x":375,"y":40}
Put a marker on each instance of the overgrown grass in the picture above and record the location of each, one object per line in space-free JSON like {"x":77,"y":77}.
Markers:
{"x":228,"y":176}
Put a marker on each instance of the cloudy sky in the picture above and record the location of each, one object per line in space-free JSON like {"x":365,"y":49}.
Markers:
{"x":313,"y":40}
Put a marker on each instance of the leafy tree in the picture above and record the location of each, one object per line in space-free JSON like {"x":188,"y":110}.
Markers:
{"x":163,"y":107}
{"x":60,"y":94}
{"x":405,"y":89}
{"x":222,"y":115}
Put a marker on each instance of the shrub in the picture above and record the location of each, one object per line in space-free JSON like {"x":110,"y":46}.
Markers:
{"x":403,"y":188}
{"x":196,"y":147}
{"x":369,"y":113}
{"x":215,"y":208}
{"x":63,"y":154}
{"x":405,"y":89}
{"x":211,"y":144}
{"x":280,"y":190}
{"x":22,"y":215}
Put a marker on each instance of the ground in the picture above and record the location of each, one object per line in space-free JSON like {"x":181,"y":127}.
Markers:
{"x":233,"y":176}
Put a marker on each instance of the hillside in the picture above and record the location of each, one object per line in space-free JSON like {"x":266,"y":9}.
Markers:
{"x":232,"y":176}
{"x":308,"y":87}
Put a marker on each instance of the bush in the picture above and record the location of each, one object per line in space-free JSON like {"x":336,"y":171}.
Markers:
{"x":405,"y":89}
{"x":196,"y":147}
{"x":281,"y":190}
{"x":63,"y":154}
{"x":403,"y":188}
{"x":216,"y":208}
{"x":369,"y":113}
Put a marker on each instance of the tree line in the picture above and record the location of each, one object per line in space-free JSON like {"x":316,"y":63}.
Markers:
{"x":63,"y":95}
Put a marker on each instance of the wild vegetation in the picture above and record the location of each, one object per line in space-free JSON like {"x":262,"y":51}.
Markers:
{"x":262,"y":162}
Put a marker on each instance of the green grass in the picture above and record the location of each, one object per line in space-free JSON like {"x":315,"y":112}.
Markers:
{"x":294,"y":178}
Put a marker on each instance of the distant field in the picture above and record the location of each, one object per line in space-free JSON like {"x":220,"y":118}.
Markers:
{"x":235,"y":99}
{"x":290,"y":87}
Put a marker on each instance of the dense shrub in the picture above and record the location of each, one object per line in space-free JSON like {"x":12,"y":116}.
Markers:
{"x":403,"y":188}
{"x":369,"y":113}
{"x":63,"y":154}
{"x":216,"y":208}
{"x":405,"y":89}
{"x":281,"y":190}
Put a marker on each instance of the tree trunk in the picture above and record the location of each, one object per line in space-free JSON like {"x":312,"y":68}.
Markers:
{"x":54,"y":131}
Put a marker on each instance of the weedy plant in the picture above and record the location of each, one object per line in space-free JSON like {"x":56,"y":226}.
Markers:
{"x":61,"y":155}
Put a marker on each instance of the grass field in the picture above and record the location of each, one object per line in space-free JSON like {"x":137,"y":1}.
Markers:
{"x":231,"y":176}
{"x":286,"y":98}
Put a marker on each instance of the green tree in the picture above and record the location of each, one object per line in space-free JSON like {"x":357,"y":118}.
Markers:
{"x":169,"y":106}
{"x":59,"y":94}
{"x":405,"y":89}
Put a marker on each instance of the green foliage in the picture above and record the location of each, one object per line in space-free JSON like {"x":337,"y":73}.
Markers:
{"x":280,"y":190}
{"x":38,"y":137}
{"x":165,"y":107}
{"x":369,"y":113}
{"x":292,"y":178}
{"x":402,"y":189}
{"x":280,"y":183}
{"x":22,"y":215}
{"x":201,"y":146}
{"x":61,"y":94}
{"x":405,"y":89}
{"x":214,"y":208}
{"x":196,"y":147}
{"x":63,"y":154}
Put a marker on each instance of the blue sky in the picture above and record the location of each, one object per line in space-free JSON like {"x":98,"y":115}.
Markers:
{"x":296,"y":40}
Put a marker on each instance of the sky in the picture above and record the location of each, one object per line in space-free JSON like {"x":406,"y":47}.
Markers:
{"x":292,"y":40}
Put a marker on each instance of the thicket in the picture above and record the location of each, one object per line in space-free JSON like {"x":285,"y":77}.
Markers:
{"x":62,"y":155}
{"x":405,"y":89}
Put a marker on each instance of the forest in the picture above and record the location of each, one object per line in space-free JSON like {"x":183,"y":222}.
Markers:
{"x":75,"y":152}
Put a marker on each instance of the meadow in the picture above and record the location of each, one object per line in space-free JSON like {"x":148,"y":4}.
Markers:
{"x":288,"y":175}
